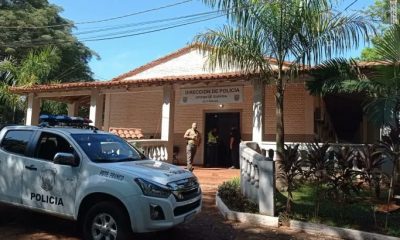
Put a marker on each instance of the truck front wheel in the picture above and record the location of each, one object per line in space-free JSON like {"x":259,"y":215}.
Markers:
{"x":106,"y":220}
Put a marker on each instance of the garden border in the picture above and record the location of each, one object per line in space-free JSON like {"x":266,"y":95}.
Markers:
{"x":347,"y":233}
{"x":251,"y":218}
{"x":306,"y":227}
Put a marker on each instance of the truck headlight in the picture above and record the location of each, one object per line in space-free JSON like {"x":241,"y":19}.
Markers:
{"x":152,"y":189}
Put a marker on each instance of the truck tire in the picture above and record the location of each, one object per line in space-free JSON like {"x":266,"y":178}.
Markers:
{"x":106,"y":220}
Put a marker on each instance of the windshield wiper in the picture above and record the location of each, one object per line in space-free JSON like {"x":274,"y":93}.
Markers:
{"x":104,"y":160}
{"x":129,"y":159}
{"x":100,"y":160}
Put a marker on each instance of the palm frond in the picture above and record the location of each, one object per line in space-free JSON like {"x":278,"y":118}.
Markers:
{"x":334,"y":76}
{"x":389,"y":48}
{"x":382,"y":111}
{"x":324,"y":36}
{"x":6,"y":97}
{"x":7,"y":71}
{"x":363,"y":85}
{"x":34,"y":69}
{"x":240,"y":12}
{"x":387,"y":78}
{"x":232,"y":48}
{"x":37,"y":66}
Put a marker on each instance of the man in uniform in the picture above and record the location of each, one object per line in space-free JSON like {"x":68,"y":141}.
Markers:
{"x":193,"y":141}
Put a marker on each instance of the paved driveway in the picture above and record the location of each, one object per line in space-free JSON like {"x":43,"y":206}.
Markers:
{"x":18,"y":224}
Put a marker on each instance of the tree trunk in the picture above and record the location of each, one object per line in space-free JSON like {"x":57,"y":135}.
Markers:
{"x":13,"y":115}
{"x":280,"y":132}
{"x":289,"y":201}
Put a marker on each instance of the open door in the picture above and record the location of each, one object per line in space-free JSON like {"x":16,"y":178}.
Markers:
{"x":223,"y":122}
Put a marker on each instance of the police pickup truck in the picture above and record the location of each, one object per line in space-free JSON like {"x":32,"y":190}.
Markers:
{"x":95,"y":178}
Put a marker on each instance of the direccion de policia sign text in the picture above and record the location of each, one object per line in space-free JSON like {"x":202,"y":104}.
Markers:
{"x":231,"y":94}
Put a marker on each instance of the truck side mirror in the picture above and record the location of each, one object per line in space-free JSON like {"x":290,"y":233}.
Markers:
{"x":63,"y":158}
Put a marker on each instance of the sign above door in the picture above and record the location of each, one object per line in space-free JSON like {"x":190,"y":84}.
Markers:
{"x":210,"y":95}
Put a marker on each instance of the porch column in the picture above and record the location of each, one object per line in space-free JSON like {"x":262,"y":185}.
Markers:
{"x":73,"y":109}
{"x":167,"y":119}
{"x":107,"y":111}
{"x":33,"y":111}
{"x":258,"y":110}
{"x":96,"y":109}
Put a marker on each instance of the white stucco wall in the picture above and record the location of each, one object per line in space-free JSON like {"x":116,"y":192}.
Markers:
{"x":191,"y":63}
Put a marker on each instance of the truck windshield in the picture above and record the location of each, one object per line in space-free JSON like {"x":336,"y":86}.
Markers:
{"x":106,"y":148}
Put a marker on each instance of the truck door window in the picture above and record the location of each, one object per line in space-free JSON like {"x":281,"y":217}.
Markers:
{"x":16,"y":141}
{"x":49,"y":144}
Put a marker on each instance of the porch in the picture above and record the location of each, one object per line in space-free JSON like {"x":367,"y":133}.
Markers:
{"x":164,"y":97}
{"x":99,"y":96}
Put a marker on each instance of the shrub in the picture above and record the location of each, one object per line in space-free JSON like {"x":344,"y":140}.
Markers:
{"x":290,"y":169}
{"x":320,"y":161}
{"x":371,"y":161}
{"x":341,"y":182}
{"x":230,"y":193}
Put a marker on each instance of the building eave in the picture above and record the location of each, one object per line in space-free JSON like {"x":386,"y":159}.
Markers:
{"x":81,"y":86}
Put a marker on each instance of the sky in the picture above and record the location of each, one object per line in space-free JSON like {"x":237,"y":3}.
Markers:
{"x":118,"y":56}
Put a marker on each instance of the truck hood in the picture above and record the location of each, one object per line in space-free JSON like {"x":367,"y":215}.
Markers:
{"x":152,"y":170}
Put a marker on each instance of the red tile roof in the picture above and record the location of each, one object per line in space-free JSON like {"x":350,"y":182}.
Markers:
{"x":120,"y":82}
{"x":372,"y":64}
{"x":127,"y":133}
{"x":233,"y":76}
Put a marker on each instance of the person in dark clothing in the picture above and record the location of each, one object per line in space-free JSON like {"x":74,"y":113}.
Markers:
{"x":234,"y":141}
{"x":271,"y":154}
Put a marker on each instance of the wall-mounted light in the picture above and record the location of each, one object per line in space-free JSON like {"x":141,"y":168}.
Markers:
{"x":221,"y":105}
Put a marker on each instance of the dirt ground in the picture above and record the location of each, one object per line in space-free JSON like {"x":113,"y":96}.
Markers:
{"x":19,"y":224}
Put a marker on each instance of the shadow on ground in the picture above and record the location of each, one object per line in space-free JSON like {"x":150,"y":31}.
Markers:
{"x":20,"y":224}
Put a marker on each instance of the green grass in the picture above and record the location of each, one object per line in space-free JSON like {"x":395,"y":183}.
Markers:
{"x":357,"y":214}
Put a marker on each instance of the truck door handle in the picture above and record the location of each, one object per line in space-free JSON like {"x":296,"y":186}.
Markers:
{"x":31,"y":167}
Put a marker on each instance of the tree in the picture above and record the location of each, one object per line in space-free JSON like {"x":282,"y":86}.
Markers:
{"x":300,"y":31}
{"x":27,"y":25}
{"x":381,"y":86}
{"x":380,"y":13}
{"x":369,"y":53}
{"x":34,"y":69}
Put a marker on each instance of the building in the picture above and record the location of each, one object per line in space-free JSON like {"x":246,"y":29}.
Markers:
{"x":165,"y":96}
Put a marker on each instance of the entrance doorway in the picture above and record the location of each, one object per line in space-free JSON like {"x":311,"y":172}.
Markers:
{"x":346,"y":114}
{"x":223,"y":122}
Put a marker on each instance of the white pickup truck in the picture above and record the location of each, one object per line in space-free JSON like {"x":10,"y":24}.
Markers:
{"x":96,"y":178}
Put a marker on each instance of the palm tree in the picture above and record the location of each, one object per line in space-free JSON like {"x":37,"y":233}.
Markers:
{"x":34,"y":69}
{"x":300,"y":31}
{"x":381,"y":86}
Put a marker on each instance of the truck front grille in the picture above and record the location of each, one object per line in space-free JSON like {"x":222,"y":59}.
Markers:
{"x":181,"y":196}
{"x":186,"y":208}
{"x":186,"y":189}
